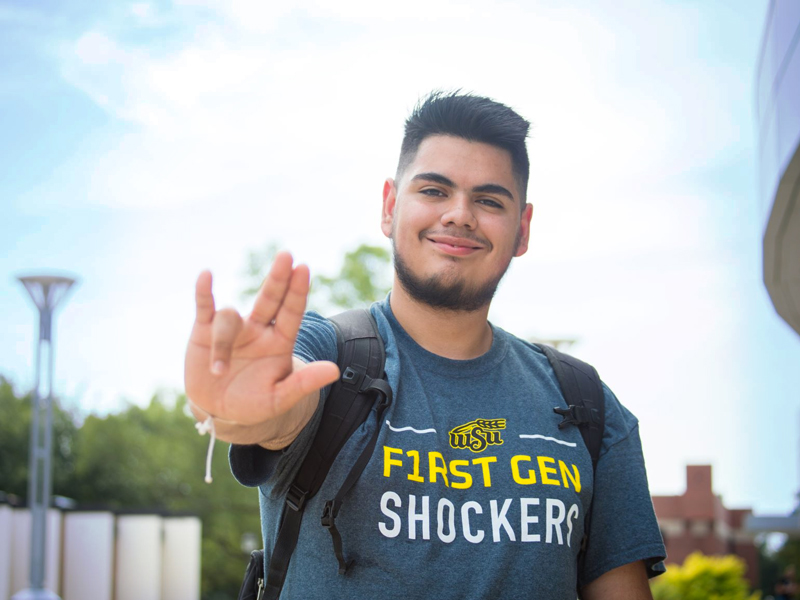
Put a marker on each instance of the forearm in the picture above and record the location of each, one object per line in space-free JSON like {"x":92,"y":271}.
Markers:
{"x":628,"y":582}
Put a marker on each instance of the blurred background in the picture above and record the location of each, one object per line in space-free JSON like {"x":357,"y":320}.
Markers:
{"x":143,"y":142}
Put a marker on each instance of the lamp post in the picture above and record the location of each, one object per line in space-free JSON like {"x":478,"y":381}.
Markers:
{"x":46,"y":291}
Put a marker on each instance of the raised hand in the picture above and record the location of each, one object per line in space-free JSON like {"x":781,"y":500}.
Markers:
{"x":242,"y":370}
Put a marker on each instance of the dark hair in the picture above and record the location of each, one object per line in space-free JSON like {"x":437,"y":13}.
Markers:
{"x":472,"y":118}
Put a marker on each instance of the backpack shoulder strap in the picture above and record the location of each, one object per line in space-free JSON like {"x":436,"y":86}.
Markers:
{"x":581,"y":387}
{"x":361,"y":357}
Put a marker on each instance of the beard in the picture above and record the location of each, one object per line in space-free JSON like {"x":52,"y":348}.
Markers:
{"x":443,"y":292}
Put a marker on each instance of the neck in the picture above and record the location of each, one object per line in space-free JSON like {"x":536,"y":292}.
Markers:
{"x":454,"y":334}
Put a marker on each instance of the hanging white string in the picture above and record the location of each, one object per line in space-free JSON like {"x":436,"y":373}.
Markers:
{"x":203,"y":428}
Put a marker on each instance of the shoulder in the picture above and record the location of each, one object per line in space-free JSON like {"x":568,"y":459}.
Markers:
{"x":316,"y":339}
{"x":619,"y":422}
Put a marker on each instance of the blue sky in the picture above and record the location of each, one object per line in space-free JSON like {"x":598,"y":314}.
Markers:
{"x":144,"y":142}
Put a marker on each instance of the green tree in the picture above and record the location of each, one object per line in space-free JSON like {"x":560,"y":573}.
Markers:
{"x":769,"y":568}
{"x":789,"y":554}
{"x":704,"y":578}
{"x":15,"y":435}
{"x":256,"y":268}
{"x":364,"y":277}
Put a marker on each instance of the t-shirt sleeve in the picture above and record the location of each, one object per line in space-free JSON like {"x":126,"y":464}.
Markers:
{"x":623,"y":526}
{"x":255,"y":466}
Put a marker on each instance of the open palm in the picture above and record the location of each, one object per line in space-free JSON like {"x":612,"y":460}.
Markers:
{"x":242,"y":370}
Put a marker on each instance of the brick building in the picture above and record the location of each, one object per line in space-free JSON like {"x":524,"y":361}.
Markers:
{"x":697,"y":520}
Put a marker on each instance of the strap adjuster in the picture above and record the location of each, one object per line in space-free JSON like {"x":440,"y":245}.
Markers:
{"x":577,"y":415}
{"x":296,"y":498}
{"x":327,"y":515}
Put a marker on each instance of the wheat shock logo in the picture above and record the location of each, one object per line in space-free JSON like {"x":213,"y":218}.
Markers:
{"x":477,"y":435}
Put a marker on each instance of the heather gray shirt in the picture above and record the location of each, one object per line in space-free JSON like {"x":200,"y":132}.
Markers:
{"x":472,"y":491}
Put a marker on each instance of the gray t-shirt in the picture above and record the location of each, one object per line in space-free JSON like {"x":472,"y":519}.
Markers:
{"x":472,"y":491}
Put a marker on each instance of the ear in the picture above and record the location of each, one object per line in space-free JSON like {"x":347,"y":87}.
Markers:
{"x":524,"y":230}
{"x":389,"y":201}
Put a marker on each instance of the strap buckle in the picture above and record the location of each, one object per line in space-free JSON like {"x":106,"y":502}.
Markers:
{"x":328,"y":515}
{"x":577,"y":415}
{"x":353,"y":377}
{"x":296,"y":498}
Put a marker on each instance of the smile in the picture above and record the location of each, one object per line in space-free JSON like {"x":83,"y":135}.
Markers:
{"x":455,"y":246}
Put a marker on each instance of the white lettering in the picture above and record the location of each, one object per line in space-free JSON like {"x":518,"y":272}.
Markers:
{"x":541,"y":520}
{"x":554,"y":521}
{"x":572,"y":515}
{"x":474,"y":538}
{"x":394,"y":531}
{"x":500,"y":520}
{"x":447,"y":538}
{"x":423,"y":517}
{"x":527,"y":519}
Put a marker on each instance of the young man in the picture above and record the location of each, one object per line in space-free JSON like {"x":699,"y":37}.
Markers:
{"x":472,"y":491}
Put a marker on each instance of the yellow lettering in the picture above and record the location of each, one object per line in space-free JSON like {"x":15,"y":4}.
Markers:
{"x":565,"y":474}
{"x":531,"y":478}
{"x":545,"y":471}
{"x":461,"y":485}
{"x":484,"y":461}
{"x":434,"y":467}
{"x":415,"y":475}
{"x":388,"y":461}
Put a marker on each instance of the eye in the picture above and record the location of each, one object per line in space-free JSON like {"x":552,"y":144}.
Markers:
{"x":432,"y":192}
{"x":491,"y":202}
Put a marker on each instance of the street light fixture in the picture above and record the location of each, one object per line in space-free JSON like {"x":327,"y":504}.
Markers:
{"x":46,"y":291}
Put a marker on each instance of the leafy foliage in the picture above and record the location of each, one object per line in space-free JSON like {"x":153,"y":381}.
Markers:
{"x":365,"y":277}
{"x":704,"y":578}
{"x":789,"y":554}
{"x":256,"y":269}
{"x":15,"y":435}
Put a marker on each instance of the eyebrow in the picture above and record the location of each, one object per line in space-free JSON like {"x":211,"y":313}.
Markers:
{"x":493,"y":188}
{"x":486,"y":188}
{"x":434,"y":178}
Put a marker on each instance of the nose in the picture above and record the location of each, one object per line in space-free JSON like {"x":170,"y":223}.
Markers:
{"x":458,"y":212}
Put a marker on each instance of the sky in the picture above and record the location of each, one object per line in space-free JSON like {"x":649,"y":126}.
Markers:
{"x":143,"y":142}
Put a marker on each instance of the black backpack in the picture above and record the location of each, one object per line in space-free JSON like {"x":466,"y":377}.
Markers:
{"x":362,"y":388}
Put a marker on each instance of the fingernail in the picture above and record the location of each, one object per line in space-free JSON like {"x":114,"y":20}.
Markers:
{"x":218,"y":367}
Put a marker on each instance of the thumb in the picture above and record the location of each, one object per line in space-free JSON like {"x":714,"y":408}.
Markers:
{"x":302,"y":382}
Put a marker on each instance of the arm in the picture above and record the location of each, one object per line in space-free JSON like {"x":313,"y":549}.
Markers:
{"x":241,"y":371}
{"x":628,"y":582}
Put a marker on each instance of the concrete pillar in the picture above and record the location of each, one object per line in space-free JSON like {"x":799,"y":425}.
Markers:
{"x":88,"y":556}
{"x":181,"y":559}
{"x":138,"y":560}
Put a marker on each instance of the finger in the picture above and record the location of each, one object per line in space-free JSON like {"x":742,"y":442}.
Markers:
{"x":290,"y":314}
{"x":226,"y":326}
{"x":203,"y":298}
{"x":314,"y":376}
{"x":270,"y":296}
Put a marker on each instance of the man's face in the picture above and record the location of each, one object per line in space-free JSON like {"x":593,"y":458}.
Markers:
{"x":455,"y":222}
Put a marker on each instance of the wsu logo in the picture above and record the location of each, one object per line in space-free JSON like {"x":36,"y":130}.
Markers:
{"x":477,"y":435}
